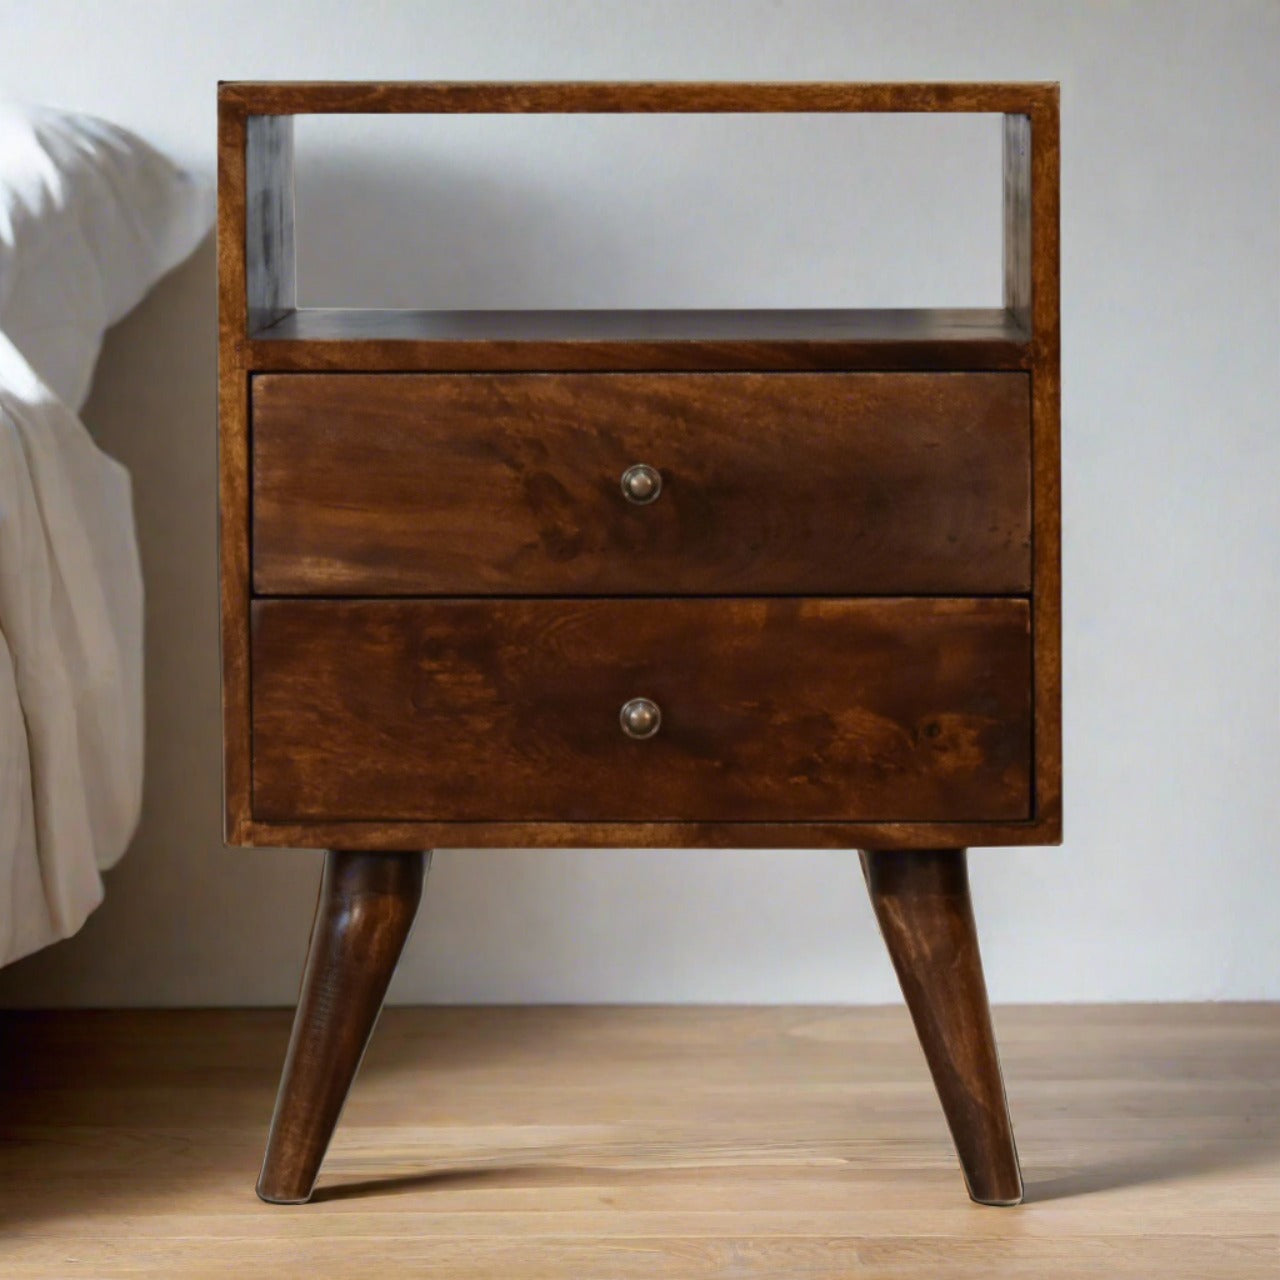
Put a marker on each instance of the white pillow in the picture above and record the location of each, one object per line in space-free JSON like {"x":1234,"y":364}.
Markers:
{"x":90,"y":218}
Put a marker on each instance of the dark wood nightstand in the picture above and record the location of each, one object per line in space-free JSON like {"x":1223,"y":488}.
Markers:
{"x":770,"y":579}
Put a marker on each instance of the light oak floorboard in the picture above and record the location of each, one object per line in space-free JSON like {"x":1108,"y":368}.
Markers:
{"x":654,"y":1142}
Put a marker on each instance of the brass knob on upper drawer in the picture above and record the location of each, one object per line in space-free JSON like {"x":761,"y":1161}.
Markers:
{"x":640,"y":718}
{"x":641,"y":484}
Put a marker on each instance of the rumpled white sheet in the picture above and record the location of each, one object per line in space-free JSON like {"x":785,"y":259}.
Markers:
{"x":71,"y":698}
{"x":91,"y":216}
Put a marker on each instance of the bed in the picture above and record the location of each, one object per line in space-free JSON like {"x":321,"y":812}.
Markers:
{"x":90,"y":218}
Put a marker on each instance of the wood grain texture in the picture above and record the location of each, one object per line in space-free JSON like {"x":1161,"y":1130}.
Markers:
{"x":839,"y":484}
{"x":824,"y":720}
{"x":366,"y":908}
{"x":345,"y":339}
{"x":271,"y":275}
{"x":1046,"y":411}
{"x":233,"y":469}
{"x":559,"y":97}
{"x":773,"y":710}
{"x":921,"y":900}
{"x":1017,"y":218}
{"x":654,"y":1143}
{"x":389,"y":834}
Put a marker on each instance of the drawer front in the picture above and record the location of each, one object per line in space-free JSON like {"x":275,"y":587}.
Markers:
{"x":510,"y":484}
{"x":771,"y":710}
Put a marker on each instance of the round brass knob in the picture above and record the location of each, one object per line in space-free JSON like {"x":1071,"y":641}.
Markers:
{"x":641,"y":484}
{"x":640,"y":718}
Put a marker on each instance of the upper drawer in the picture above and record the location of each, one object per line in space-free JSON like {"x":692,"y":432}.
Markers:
{"x":511,"y":484}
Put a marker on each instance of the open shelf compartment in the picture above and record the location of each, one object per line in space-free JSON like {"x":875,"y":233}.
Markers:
{"x":257,"y":159}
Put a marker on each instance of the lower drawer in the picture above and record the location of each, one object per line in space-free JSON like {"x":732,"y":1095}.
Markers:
{"x":770,"y":710}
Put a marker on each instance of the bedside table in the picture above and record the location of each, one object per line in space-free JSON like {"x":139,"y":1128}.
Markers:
{"x":674,"y":579}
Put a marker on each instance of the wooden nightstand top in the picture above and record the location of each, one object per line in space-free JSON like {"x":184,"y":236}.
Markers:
{"x":544,"y":97}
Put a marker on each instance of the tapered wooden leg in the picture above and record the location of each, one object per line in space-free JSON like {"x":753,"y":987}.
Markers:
{"x":921,"y":898}
{"x":366,"y":908}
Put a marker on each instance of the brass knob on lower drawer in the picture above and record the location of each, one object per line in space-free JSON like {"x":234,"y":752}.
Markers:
{"x":641,"y":484}
{"x":640,"y":718}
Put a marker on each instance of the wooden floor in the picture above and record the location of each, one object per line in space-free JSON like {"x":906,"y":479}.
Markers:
{"x":643,"y":1142}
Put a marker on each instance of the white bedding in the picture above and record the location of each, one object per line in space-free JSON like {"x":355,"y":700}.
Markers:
{"x":71,"y":711}
{"x":90,"y":218}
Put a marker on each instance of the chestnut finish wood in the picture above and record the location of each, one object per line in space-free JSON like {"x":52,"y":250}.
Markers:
{"x":549,"y":341}
{"x":773,"y":710}
{"x":283,"y":97}
{"x":348,"y":339}
{"x":1017,"y":219}
{"x":823,"y":484}
{"x":366,"y":908}
{"x":383,"y":834}
{"x":269,"y":242}
{"x":1046,"y":604}
{"x":910,"y":722}
{"x":233,"y":468}
{"x":921,"y":899}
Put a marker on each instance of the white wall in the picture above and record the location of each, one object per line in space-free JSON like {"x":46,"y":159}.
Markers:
{"x":1169,"y":883}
